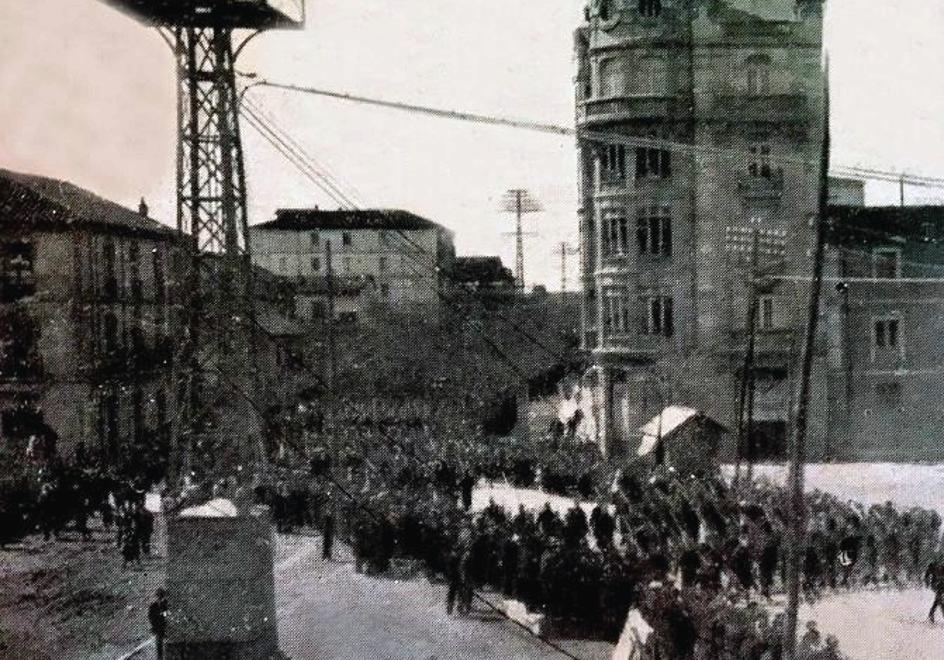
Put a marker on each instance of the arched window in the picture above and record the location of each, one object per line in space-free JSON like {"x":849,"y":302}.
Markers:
{"x":758,"y":75}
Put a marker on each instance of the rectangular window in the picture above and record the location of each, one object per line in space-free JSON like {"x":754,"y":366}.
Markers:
{"x":659,"y":318}
{"x":385,"y":290}
{"x":283,"y":264}
{"x":766,"y":311}
{"x":617,"y":236}
{"x":650,"y":8}
{"x":759,"y":163}
{"x":615,"y":310}
{"x":758,"y":77}
{"x":346,"y":239}
{"x":316,"y":264}
{"x":347,"y":264}
{"x":613,"y":162}
{"x":653,"y":163}
{"x":382,"y":264}
{"x":886,"y":263}
{"x":888,"y":394}
{"x":887,"y":333}
{"x":654,"y":231}
{"x":315,"y":239}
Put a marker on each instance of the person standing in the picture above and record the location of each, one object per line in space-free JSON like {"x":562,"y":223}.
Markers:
{"x":454,"y":577}
{"x":327,"y":538}
{"x":157,"y":618}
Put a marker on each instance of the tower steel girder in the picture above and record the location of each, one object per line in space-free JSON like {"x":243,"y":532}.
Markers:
{"x":212,"y":211}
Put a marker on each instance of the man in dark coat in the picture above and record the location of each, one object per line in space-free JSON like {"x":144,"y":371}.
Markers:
{"x":157,"y":618}
{"x":466,"y":486}
{"x":934,"y":578}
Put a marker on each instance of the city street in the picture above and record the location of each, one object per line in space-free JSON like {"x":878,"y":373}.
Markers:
{"x":326,"y":611}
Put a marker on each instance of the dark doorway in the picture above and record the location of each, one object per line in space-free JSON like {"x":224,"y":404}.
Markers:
{"x":769,"y":440}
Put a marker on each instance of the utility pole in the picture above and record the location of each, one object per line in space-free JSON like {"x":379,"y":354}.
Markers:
{"x":796,"y":529}
{"x":746,"y":399}
{"x":901,"y":190}
{"x":566,"y":250}
{"x":331,"y":343}
{"x":520,"y":202}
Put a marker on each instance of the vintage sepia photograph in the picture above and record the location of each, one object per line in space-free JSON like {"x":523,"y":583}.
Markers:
{"x":471,"y":330}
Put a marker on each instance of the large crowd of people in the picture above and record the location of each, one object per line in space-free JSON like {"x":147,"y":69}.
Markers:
{"x":695,"y":554}
{"x":57,"y":499}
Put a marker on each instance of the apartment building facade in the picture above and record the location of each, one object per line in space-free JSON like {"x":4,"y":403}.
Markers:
{"x":700,"y":130}
{"x":380,"y":259}
{"x":87,"y":290}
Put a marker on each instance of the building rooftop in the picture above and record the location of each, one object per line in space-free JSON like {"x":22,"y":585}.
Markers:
{"x":28,"y":200}
{"x":870,"y":224}
{"x":667,"y":422}
{"x":308,"y":219}
{"x":482,"y":271}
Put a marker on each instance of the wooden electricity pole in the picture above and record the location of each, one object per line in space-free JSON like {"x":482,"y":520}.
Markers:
{"x":329,"y":265}
{"x":796,"y":528}
{"x":746,"y":400}
{"x":565,"y":251}
{"x":520,"y":202}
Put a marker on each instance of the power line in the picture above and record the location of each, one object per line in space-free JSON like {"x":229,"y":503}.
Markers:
{"x":606,"y":137}
{"x":342,"y":187}
{"x":280,"y":144}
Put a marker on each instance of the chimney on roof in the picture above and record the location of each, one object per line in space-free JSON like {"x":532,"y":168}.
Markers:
{"x":143,"y":208}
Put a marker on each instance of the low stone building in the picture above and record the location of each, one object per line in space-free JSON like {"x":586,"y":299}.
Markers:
{"x":86,"y":320}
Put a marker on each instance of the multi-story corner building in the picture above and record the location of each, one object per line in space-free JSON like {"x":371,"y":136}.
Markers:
{"x":700,"y":125}
{"x":86,"y":321}
{"x":379,"y":259}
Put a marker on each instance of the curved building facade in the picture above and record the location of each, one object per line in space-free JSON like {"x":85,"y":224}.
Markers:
{"x":700,"y":129}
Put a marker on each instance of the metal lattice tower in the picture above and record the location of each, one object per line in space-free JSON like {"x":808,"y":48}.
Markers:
{"x":217,"y":350}
{"x":219,"y":578}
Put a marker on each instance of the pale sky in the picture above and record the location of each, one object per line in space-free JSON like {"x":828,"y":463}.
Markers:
{"x":87,"y":95}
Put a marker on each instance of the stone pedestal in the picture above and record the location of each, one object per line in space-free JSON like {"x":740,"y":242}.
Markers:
{"x":221,"y":588}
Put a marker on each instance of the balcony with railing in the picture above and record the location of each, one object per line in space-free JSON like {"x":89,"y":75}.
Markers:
{"x":602,"y":111}
{"x":768,"y":185}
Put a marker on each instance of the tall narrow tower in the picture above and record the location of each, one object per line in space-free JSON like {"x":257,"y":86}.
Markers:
{"x":216,"y":353}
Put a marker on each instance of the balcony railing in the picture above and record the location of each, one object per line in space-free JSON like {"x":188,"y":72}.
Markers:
{"x":626,"y":108}
{"x":761,"y":187}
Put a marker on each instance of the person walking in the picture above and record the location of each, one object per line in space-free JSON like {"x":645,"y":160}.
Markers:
{"x":454,"y":577}
{"x":327,"y":538}
{"x":157,"y":618}
{"x":934,"y":578}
